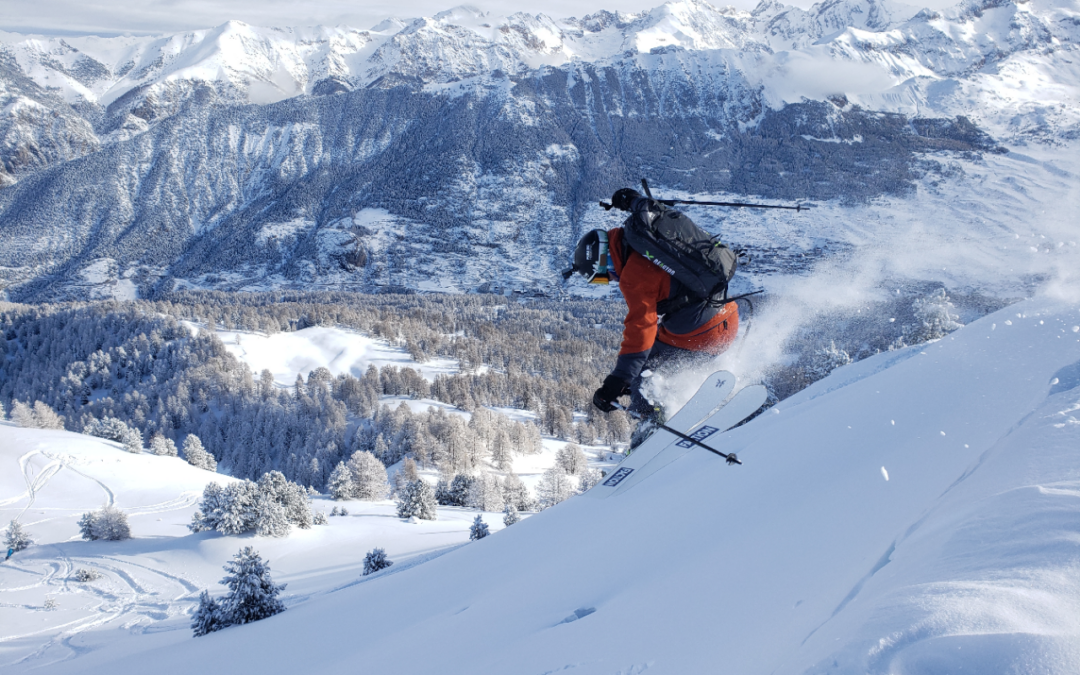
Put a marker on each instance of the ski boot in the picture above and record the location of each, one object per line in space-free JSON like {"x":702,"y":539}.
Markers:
{"x":651,"y":420}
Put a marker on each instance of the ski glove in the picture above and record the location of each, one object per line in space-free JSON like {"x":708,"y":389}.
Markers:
{"x":624,"y":198}
{"x":613,"y":388}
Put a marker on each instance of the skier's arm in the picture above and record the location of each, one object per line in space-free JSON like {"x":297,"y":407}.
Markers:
{"x":642,"y":285}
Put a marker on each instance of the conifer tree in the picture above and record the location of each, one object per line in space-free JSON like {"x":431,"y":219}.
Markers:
{"x":554,"y":487}
{"x":108,"y":523}
{"x":417,"y":499}
{"x":196,"y":455}
{"x":341,"y":484}
{"x":252,"y":593}
{"x":517,"y":493}
{"x":160,"y":445}
{"x":16,"y":537}
{"x":369,"y":476}
{"x":571,"y":458}
{"x":46,"y":418}
{"x":270,"y":518}
{"x":207,"y":617}
{"x":22,"y":414}
{"x":479,"y":529}
{"x":486,"y":493}
{"x":510,"y":515}
{"x":376,"y":560}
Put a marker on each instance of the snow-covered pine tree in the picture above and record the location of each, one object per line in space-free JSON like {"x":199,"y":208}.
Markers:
{"x":252,"y":593}
{"x":17,"y":538}
{"x":319,"y":518}
{"x":486,"y":493}
{"x":207,"y":617}
{"x":22,"y":414}
{"x":46,"y":418}
{"x":460,"y":487}
{"x":501,"y":450}
{"x":417,"y":499}
{"x":571,"y":458}
{"x":196,"y":455}
{"x":114,"y":429}
{"x":376,"y":560}
{"x":510,"y":515}
{"x":340,"y":484}
{"x":112,"y":524}
{"x":108,"y":523}
{"x":270,"y":517}
{"x":236,"y":513}
{"x":160,"y":445}
{"x":369,"y":476}
{"x":517,"y":493}
{"x":442,"y":492}
{"x":554,"y":487}
{"x":88,"y":525}
{"x":207,"y":516}
{"x":479,"y":529}
{"x":290,"y":496}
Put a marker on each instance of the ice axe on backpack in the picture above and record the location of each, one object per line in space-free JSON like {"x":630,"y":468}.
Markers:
{"x":743,"y":205}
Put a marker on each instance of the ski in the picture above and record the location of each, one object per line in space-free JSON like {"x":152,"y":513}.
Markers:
{"x":710,"y":395}
{"x":743,"y":404}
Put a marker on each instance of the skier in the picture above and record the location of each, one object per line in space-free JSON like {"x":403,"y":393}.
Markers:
{"x":10,"y":552}
{"x":653,"y":340}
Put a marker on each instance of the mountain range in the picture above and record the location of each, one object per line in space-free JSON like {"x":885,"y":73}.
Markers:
{"x":465,"y":151}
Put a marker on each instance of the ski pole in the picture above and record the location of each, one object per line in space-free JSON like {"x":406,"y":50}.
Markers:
{"x":673,"y":202}
{"x":729,"y":456}
{"x":744,"y":205}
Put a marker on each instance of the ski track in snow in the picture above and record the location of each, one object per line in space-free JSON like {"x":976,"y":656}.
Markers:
{"x":133,"y":595}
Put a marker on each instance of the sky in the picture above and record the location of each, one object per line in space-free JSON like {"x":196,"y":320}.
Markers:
{"x":111,"y":17}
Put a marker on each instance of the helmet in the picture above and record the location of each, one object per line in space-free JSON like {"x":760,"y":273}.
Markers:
{"x":622,"y":199}
{"x":591,"y":258}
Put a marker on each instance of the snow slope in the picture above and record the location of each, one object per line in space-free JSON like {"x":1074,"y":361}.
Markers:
{"x":150,"y":583}
{"x":912,"y":513}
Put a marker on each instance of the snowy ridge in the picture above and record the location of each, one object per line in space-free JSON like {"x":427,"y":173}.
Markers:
{"x":478,"y":145}
{"x":263,"y":65}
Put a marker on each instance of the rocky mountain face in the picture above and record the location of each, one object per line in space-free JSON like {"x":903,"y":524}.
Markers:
{"x":466,"y":151}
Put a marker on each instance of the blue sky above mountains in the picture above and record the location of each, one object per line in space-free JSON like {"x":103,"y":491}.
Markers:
{"x":59,"y":17}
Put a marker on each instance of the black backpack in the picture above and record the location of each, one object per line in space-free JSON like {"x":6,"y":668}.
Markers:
{"x":674,"y":243}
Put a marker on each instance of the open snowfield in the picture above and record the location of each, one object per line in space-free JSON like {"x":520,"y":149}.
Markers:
{"x":287,"y":355}
{"x":915,"y":512}
{"x":149,"y":584}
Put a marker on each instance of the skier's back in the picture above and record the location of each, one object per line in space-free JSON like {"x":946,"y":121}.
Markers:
{"x":666,"y":328}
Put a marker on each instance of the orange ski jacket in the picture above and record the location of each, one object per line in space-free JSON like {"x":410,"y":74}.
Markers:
{"x":698,"y":327}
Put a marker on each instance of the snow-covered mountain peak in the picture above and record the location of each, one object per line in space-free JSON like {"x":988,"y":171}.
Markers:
{"x":690,"y":24}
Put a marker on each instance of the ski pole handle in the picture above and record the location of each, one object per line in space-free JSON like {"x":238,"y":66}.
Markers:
{"x":729,"y":456}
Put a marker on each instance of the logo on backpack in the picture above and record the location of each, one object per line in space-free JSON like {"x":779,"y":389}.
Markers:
{"x":659,"y":263}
